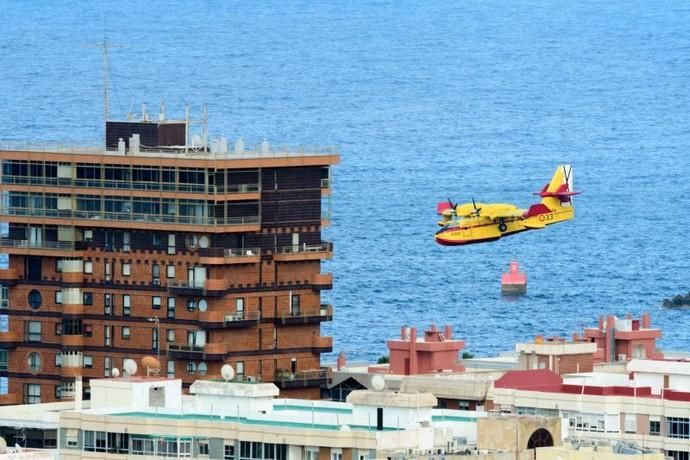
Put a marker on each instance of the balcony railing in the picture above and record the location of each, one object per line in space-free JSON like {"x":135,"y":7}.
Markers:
{"x":301,"y":379}
{"x":307,"y":316}
{"x":324,"y":246}
{"x":26,"y":244}
{"x":130,"y":185}
{"x":130,"y":216}
{"x":211,"y":351}
{"x":228,"y":256}
{"x":219,"y":319}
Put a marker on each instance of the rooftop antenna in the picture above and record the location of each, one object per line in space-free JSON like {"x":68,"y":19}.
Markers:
{"x":205,"y":127}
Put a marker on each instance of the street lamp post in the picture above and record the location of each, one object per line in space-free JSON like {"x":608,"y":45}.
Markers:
{"x":158,"y":338}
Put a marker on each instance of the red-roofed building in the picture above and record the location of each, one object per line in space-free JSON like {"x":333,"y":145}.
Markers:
{"x":533,"y":380}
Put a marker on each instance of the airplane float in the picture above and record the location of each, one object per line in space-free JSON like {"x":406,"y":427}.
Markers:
{"x":483,"y":222}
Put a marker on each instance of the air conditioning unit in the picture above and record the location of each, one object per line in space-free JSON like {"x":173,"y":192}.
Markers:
{"x":621,"y":357}
{"x":229,"y":318}
{"x":156,"y":282}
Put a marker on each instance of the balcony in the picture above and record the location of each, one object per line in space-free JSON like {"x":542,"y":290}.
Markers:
{"x":186,"y":287}
{"x":131,"y":219}
{"x":73,"y":340}
{"x":9,"y":339}
{"x":322,"y":281}
{"x":72,"y":363}
{"x":223,"y":320}
{"x":73,"y":309}
{"x":223,"y":256}
{"x":302,"y":379}
{"x":42,"y":248}
{"x":131,"y":185}
{"x":304,"y":252}
{"x":208,"y":352}
{"x":312,"y":316}
{"x":10,"y":399}
{"x":72,"y":277}
{"x":321,"y":344}
{"x":9,"y":276}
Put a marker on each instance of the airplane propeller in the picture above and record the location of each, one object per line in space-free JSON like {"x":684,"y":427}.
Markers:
{"x":476,"y":209}
{"x":452,"y":205}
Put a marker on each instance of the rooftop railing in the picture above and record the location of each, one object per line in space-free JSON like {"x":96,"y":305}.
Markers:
{"x":129,"y":216}
{"x":261,"y":150}
{"x":229,"y":253}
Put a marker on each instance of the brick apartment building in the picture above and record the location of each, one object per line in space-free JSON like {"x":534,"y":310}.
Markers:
{"x":199,"y":256}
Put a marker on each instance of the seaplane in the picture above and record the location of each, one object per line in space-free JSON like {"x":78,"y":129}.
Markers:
{"x":472,"y":223}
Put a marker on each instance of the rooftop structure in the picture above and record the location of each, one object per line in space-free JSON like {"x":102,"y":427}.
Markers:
{"x":162,"y":245}
{"x":624,"y":339}
{"x":436,"y":352}
{"x":557,"y":355}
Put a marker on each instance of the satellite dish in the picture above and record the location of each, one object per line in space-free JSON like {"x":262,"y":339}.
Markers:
{"x":377,"y":383}
{"x":3,"y":445}
{"x":151,"y":364}
{"x":227,"y":372}
{"x":345,"y":428}
{"x":130,"y":367}
{"x":115,"y":372}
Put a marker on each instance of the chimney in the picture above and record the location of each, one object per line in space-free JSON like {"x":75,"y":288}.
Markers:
{"x":646,"y":321}
{"x":341,"y":360}
{"x":448,"y":332}
{"x":601,"y":322}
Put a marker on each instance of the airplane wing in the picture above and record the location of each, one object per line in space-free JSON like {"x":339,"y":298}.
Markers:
{"x":499,"y":210}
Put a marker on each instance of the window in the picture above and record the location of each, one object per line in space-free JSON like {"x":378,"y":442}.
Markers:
{"x":88,"y":298}
{"x":311,"y":453}
{"x":58,"y":297}
{"x":171,"y":307}
{"x":171,"y":335}
{"x":125,"y":332}
{"x":3,"y":359}
{"x":191,"y":367}
{"x":107,"y":366}
{"x":156,"y":274}
{"x":294,"y":304}
{"x":58,"y":265}
{"x":108,"y":336}
{"x":155,"y":239}
{"x":88,"y":266}
{"x":108,"y":270}
{"x":88,"y":235}
{"x":170,"y":271}
{"x":34,"y":362}
{"x":654,"y":425}
{"x":239,"y":368}
{"x":630,"y":423}
{"x":33,"y":330}
{"x":336,"y":454}
{"x":32,"y":393}
{"x":126,"y":241}
{"x":4,"y":297}
{"x":677,"y":454}
{"x":34,"y":299}
{"x":171,"y":244}
{"x":126,"y":304}
{"x":191,"y":304}
{"x":678,"y":427}
{"x":156,"y":302}
{"x":203,"y":447}
{"x":108,"y":304}
{"x":154,"y":338}
{"x":88,"y":361}
{"x":58,"y":328}
{"x":58,"y":359}
{"x":202,"y":368}
{"x":229,"y":451}
{"x":171,"y":369}
{"x":239,"y":308}
{"x":126,"y":269}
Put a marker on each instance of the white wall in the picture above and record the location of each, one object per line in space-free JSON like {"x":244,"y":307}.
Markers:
{"x":393,"y":417}
{"x":656,"y":381}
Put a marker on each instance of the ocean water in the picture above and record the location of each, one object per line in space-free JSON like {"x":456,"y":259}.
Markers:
{"x":426,"y":100}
